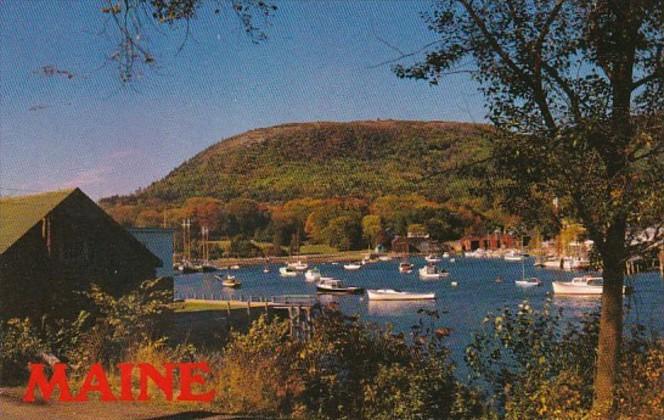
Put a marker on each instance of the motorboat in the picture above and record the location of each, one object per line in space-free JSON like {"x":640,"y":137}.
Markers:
{"x":432,"y":259}
{"x":478,"y":253}
{"x":453,"y":260}
{"x":529,"y":282}
{"x":298,"y":266}
{"x":385,"y":258}
{"x":405,"y":267}
{"x":454,"y":284}
{"x":234,"y":267}
{"x":585,"y":285}
{"x":446,"y":254}
{"x":393,"y":294}
{"x":513,"y":257}
{"x":287,"y":271}
{"x":229,"y":281}
{"x":352,"y":266}
{"x":332,"y":285}
{"x":432,"y":272}
{"x":266,"y":270}
{"x":313,"y":274}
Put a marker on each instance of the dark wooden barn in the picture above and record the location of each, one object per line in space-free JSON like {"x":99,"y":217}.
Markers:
{"x":54,"y":245}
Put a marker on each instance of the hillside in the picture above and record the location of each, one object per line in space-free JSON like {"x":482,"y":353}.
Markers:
{"x":363,"y":159}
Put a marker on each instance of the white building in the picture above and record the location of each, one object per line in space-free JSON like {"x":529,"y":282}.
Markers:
{"x":160,"y":243}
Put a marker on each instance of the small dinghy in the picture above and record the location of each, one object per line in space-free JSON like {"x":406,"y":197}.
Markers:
{"x":312,"y":274}
{"x":385,"y":258}
{"x":234,"y":267}
{"x":352,"y":266}
{"x":331,"y":285}
{"x":446,"y":254}
{"x":432,"y":259}
{"x":287,"y":272}
{"x":392,"y":294}
{"x":229,"y":281}
{"x":529,"y":282}
{"x":432,"y":272}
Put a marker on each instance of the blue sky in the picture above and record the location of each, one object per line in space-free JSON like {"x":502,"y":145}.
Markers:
{"x":91,"y":132}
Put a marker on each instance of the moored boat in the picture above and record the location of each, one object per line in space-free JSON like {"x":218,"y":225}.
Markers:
{"x":313,"y":274}
{"x":393,"y":294}
{"x":228,"y":281}
{"x":529,"y":282}
{"x":405,"y":267}
{"x":352,"y":266}
{"x":331,"y":285}
{"x":513,"y":257}
{"x":432,"y":272}
{"x":287,"y":272}
{"x":585,"y":285}
{"x":385,"y":258}
{"x":432,"y":258}
{"x":298,"y":265}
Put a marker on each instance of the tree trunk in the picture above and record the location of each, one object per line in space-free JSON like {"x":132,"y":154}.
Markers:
{"x":611,"y":322}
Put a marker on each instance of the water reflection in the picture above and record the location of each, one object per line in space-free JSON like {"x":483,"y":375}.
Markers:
{"x":398,"y":308}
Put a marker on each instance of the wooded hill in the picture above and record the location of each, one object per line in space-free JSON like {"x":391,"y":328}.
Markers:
{"x":363,"y":159}
{"x":405,"y":172}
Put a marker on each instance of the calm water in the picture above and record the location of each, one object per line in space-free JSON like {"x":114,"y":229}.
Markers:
{"x":462,"y":308}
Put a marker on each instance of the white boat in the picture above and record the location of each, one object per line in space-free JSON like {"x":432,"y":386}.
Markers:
{"x":478,"y":253}
{"x":586,"y":285}
{"x":234,"y":267}
{"x":385,"y":258}
{"x":228,"y":281}
{"x":452,"y":260}
{"x":513,"y":257}
{"x":392,"y":294}
{"x":266,"y":270}
{"x":405,"y":267}
{"x":312,"y":274}
{"x":432,"y":259}
{"x":529,"y":282}
{"x":352,"y":266}
{"x":287,"y":272}
{"x":446,"y":254}
{"x":432,"y":272}
{"x":298,"y":266}
{"x":454,"y":284}
{"x":331,"y":285}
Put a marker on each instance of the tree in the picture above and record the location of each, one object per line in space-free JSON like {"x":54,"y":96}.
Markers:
{"x":136,"y":20}
{"x":575,"y":89}
{"x":344,"y":233}
{"x":372,"y":227}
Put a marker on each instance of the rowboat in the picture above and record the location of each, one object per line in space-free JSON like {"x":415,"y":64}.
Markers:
{"x":287,"y":272}
{"x":432,"y":272}
{"x":392,"y":294}
{"x":331,"y":285}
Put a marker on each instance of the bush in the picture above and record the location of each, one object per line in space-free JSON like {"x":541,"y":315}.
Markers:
{"x":255,"y":374}
{"x":241,"y":247}
{"x":537,"y":367}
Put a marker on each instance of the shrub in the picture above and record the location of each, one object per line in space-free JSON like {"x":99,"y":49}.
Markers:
{"x":255,"y":374}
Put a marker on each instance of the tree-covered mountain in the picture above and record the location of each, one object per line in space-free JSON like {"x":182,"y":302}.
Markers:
{"x":311,"y":181}
{"x":363,"y":159}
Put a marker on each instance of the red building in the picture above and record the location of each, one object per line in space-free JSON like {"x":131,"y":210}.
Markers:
{"x":492,"y":242}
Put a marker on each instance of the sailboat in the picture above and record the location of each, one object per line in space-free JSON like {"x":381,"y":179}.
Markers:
{"x":527,"y":282}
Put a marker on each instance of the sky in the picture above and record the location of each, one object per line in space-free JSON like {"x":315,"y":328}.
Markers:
{"x":320,"y":62}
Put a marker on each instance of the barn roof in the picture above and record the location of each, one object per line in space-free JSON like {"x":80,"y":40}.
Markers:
{"x":19,"y":214}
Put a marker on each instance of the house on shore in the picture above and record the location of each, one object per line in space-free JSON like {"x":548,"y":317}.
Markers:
{"x":55,"y":245}
{"x":489,"y":242}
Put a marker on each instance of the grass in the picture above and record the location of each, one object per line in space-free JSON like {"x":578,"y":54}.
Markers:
{"x":315,"y":249}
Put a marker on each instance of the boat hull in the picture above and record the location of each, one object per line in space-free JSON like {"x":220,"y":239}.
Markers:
{"x":378,"y":295}
{"x":339,"y":290}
